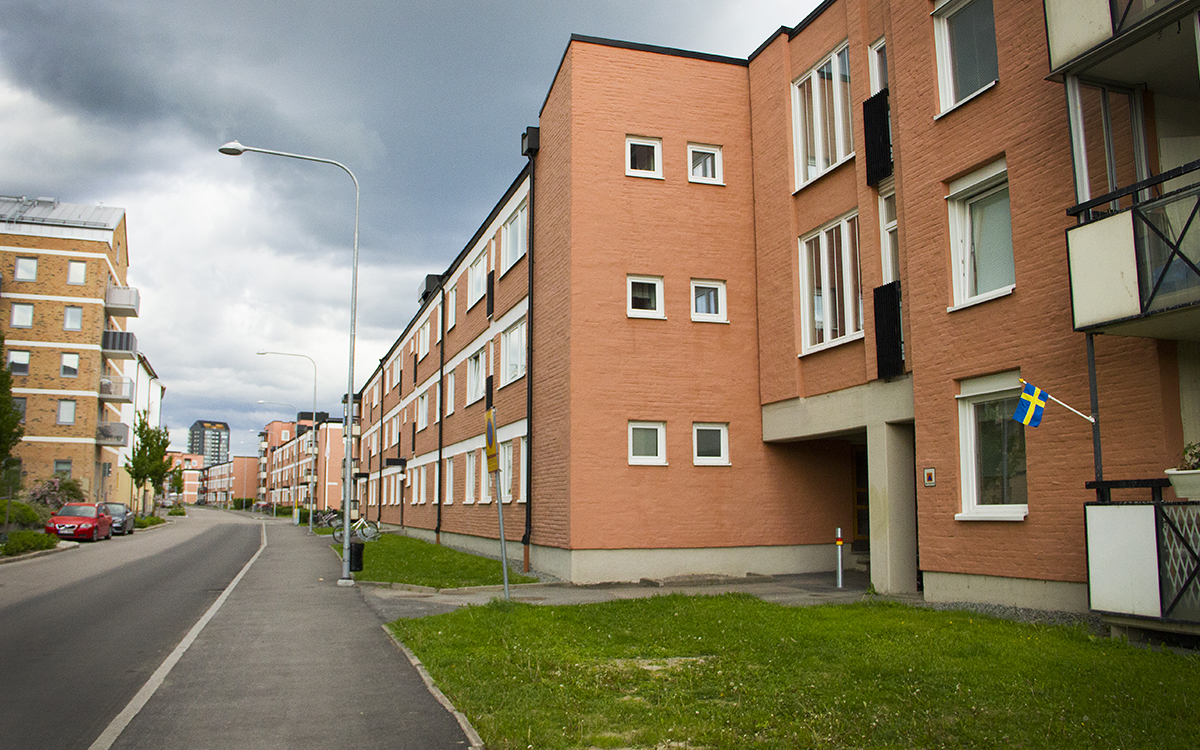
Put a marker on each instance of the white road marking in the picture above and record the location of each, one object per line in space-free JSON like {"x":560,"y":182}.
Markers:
{"x":135,"y":705}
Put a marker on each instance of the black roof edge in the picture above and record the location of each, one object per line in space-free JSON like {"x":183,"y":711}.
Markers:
{"x":817,"y":11}
{"x":781,"y":30}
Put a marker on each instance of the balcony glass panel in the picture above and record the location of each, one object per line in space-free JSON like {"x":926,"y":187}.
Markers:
{"x":1168,"y":251}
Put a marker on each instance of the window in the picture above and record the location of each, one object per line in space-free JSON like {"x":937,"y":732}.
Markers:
{"x":476,"y":375}
{"x":889,"y":235}
{"x":69,"y":367}
{"x":485,"y":484}
{"x":76,"y":272}
{"x":704,"y":164}
{"x":965,"y":37}
{"x":512,"y":353}
{"x":62,"y":467}
{"x":645,"y":297}
{"x":879,"y":66}
{"x":710,"y":444}
{"x":523,"y":491}
{"x":66,"y":411}
{"x":421,"y":488}
{"x":423,"y":340}
{"x":26,"y":269}
{"x":643,"y":157}
{"x":448,"y":498}
{"x":469,"y":479}
{"x":450,"y":392}
{"x":991,"y":449}
{"x":981,"y":235}
{"x":648,"y":443}
{"x":506,"y":457}
{"x":18,"y":362}
{"x":423,"y":411}
{"x":19,"y":405}
{"x":514,"y":240}
{"x":22,"y":315}
{"x":708,"y":301}
{"x":72,"y":318}
{"x":451,"y":306}
{"x":831,"y":307}
{"x":477,"y":280}
{"x":821,"y":117}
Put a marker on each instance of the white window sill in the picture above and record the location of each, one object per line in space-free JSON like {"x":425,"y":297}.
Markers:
{"x":473,"y":400}
{"x":476,"y":301}
{"x":504,"y":271}
{"x":1003,"y":291}
{"x":633,"y":462}
{"x":644,"y":175}
{"x":696,"y":181}
{"x":514,"y":380}
{"x":961,"y":102}
{"x":710,"y":463}
{"x":832,"y":168}
{"x":709,"y":320}
{"x":994,"y":513}
{"x":856,"y":336}
{"x":645,"y":316}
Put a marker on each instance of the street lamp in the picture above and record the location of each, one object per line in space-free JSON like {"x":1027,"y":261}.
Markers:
{"x":233,"y":148}
{"x":312,"y":495}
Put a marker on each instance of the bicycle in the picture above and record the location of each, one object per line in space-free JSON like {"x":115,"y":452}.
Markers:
{"x":366,"y":530}
{"x":328,"y":518}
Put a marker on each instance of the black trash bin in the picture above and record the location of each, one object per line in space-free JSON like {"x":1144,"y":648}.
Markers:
{"x":356,"y":556}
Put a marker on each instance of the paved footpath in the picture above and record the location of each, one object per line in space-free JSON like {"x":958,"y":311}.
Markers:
{"x":291,"y":660}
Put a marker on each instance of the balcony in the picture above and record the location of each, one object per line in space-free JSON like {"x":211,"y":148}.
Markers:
{"x":112,"y":433}
{"x":1135,"y":269}
{"x":116,"y":390}
{"x":122,"y":302}
{"x":262,"y":475}
{"x":1080,"y":28}
{"x":1143,"y":565}
{"x":118,"y":345}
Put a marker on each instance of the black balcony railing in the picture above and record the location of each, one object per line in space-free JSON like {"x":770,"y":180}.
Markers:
{"x":889,"y":338}
{"x":119,"y":341}
{"x":1167,"y":240}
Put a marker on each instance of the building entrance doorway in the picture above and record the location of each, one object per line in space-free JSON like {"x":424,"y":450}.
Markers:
{"x":860,"y":540}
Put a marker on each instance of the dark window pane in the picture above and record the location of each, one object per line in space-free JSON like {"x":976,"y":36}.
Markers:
{"x":973,"y":48}
{"x":645,"y":442}
{"x":708,"y":443}
{"x":641,"y":157}
{"x":644,"y":295}
{"x":1000,"y":449}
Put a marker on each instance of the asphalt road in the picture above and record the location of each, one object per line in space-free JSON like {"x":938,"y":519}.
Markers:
{"x":82,"y":630}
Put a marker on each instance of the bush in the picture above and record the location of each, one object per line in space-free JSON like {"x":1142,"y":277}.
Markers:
{"x":177,"y":512}
{"x":57,"y":491}
{"x":21,"y":515}
{"x":28,"y":541}
{"x":143,"y":522}
{"x":286,"y":511}
{"x":242,"y":503}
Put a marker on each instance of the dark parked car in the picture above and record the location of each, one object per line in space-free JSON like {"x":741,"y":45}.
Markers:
{"x":122,"y":518}
{"x":80,"y":521}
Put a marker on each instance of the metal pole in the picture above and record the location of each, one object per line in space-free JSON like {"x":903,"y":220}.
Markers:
{"x":503,"y":541}
{"x":839,"y":548}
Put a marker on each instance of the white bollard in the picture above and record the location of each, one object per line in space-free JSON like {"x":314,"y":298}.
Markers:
{"x":839,"y":546}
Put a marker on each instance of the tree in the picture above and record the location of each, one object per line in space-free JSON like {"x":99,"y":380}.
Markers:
{"x":11,"y":430}
{"x":177,"y":480}
{"x":148,"y":462}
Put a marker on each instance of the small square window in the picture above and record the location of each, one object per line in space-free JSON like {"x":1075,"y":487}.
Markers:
{"x":704,"y":164}
{"x":710,"y":444}
{"x":645,"y":297}
{"x":70,"y":366}
{"x":22,"y":315}
{"x":965,"y":41}
{"x":643,"y":157}
{"x":708,"y":301}
{"x":76,"y":272}
{"x":19,"y":405}
{"x":26,"y":269}
{"x":66,"y":411}
{"x":63,"y":468}
{"x":648,"y":443}
{"x":72,"y":318}
{"x":18,"y":362}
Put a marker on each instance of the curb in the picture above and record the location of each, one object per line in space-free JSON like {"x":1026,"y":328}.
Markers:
{"x":472,"y":736}
{"x":39,"y":553}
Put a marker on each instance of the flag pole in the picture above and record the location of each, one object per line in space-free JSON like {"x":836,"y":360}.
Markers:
{"x":1060,"y":403}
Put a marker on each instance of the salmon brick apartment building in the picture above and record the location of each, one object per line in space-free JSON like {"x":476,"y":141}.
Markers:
{"x":732,"y":305}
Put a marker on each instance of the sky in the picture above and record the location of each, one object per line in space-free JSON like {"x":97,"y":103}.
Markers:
{"x":125,"y":102}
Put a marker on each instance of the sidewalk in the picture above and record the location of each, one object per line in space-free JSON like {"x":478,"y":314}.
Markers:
{"x":293,"y":660}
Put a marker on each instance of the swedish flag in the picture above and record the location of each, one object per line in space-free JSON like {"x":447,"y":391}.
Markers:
{"x":1031,"y":405}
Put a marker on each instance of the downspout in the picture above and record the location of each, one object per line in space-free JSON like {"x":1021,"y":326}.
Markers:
{"x":529,"y":146}
{"x":437,"y":530}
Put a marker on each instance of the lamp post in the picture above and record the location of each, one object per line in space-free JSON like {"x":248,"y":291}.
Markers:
{"x":233,"y":148}
{"x":312,"y":495}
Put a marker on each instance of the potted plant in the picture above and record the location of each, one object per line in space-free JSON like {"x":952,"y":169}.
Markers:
{"x":1186,"y":479}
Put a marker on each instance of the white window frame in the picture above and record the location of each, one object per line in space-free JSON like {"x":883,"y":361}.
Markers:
{"x":721,"y":460}
{"x":437,"y":324}
{"x":65,"y":414}
{"x":656,"y":144}
{"x":718,"y":177}
{"x":19,"y":357}
{"x":512,"y":354}
{"x":469,"y":479}
{"x":67,"y":310}
{"x":964,"y":192}
{"x":30,"y":271}
{"x":842,"y":148}
{"x":505,"y":478}
{"x":942,"y":14}
{"x":73,"y":278}
{"x":851,"y":280}
{"x":448,"y":496}
{"x":451,"y":306}
{"x":659,"y":311}
{"x":62,"y":365}
{"x":514,"y":239}
{"x":422,"y":484}
{"x":422,"y":411}
{"x":658,"y":460}
{"x":485,"y":490}
{"x":476,"y":376}
{"x":477,"y":280}
{"x":423,"y":341}
{"x":523,"y":467}
{"x":449,"y":388}
{"x":972,"y":392}
{"x":27,"y":312}
{"x":721,"y":316}
{"x":877,"y":60}
{"x":889,"y":255}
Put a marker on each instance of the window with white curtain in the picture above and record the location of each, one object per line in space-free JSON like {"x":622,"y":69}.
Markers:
{"x":821,"y":123}
{"x":512,"y":353}
{"x":831,"y":290}
{"x":981,"y":235}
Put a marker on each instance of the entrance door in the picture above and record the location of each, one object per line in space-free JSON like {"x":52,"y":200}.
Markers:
{"x":861,"y":540}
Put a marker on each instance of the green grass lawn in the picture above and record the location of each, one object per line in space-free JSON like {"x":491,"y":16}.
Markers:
{"x":733,"y":671}
{"x":401,"y":559}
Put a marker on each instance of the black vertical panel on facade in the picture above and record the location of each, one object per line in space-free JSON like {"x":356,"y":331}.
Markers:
{"x":889,"y":342}
{"x":414,"y":369}
{"x":878,"y":138}
{"x":487,"y":404}
{"x":491,"y":293}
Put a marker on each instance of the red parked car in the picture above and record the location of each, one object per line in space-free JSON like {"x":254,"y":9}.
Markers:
{"x":81,"y":521}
